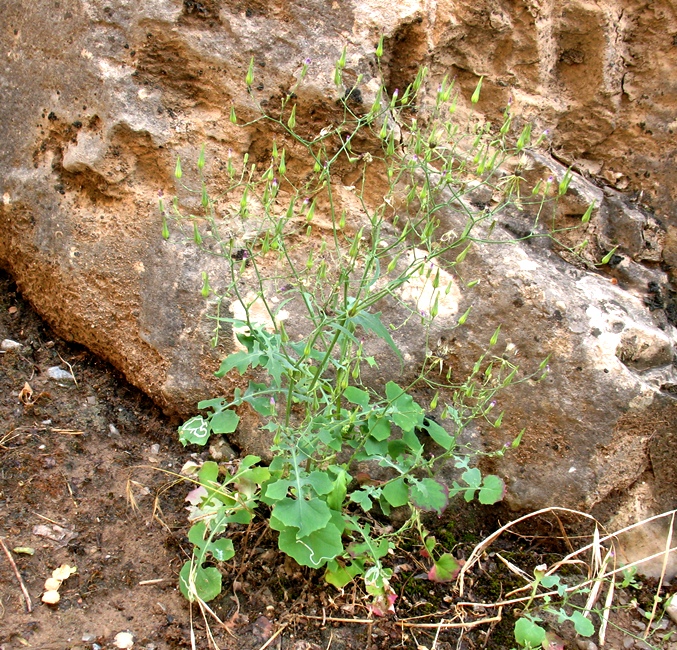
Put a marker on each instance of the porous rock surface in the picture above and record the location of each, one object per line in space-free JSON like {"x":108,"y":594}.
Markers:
{"x":100,"y":97}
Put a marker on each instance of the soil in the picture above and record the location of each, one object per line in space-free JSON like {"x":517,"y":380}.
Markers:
{"x":89,"y":478}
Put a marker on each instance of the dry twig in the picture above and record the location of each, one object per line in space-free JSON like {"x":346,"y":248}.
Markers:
{"x":27,"y":597}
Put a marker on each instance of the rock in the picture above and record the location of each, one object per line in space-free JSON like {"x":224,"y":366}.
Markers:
{"x":93,"y":119}
{"x":8,"y":345}
{"x":57,"y":373}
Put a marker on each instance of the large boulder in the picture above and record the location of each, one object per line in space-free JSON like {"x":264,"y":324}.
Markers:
{"x":100,"y":97}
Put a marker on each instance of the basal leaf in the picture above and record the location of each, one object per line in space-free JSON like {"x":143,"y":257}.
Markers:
{"x":222,"y":549}
{"x":313,"y":550}
{"x":196,"y":534}
{"x":195,"y":431}
{"x":444,"y":569}
{"x":428,"y":494}
{"x":396,"y":493}
{"x":308,"y":515}
{"x":209,"y":473}
{"x":224,"y":422}
{"x":529,"y":634}
{"x":492,"y":490}
{"x":197,"y":582}
{"x":339,"y":575}
{"x":319,"y":481}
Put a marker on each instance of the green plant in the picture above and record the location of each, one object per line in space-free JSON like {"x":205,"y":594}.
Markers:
{"x":324,"y":420}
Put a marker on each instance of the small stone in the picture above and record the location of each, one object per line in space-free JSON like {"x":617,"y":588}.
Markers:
{"x":89,"y":638}
{"x":57,"y":373}
{"x":628,"y":642}
{"x":10,"y":346}
{"x":155,"y":449}
{"x":113,"y":430}
{"x":671,"y":608}
{"x":124,"y":640}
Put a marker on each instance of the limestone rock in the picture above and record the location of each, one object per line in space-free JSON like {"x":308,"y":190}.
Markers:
{"x":100,"y":97}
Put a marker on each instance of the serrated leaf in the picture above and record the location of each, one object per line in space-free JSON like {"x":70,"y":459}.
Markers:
{"x":396,"y":493}
{"x":313,"y":550}
{"x":427,"y":494}
{"x":224,"y":422}
{"x":529,"y":634}
{"x":492,"y":490}
{"x":194,"y":431}
{"x":197,"y":582}
{"x":241,"y":360}
{"x":215,"y":404}
{"x":406,"y":413}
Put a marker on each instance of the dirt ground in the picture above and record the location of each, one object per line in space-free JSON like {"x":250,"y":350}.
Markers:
{"x":78,"y":452}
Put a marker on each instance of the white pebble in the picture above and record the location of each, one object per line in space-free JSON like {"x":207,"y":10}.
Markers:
{"x":59,"y":374}
{"x":124,"y":640}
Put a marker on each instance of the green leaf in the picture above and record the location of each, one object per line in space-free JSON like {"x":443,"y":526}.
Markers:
{"x":492,"y":490}
{"x":215,"y":404}
{"x":396,"y":493}
{"x":196,"y":534}
{"x":222,"y":549}
{"x":372,"y":323}
{"x":241,"y":360}
{"x":428,"y":494}
{"x":379,"y":427}
{"x":528,"y":634}
{"x":194,"y":431}
{"x":313,"y":550}
{"x":444,"y":569}
{"x":339,"y":488}
{"x":473,"y":477}
{"x":361,"y":497}
{"x":583,"y":626}
{"x":224,"y":422}
{"x":260,"y":403}
{"x":199,"y":583}
{"x":308,"y":515}
{"x":356,"y":396}
{"x":340,"y":576}
{"x":406,"y":413}
{"x":439,"y":435}
{"x":209,"y":473}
